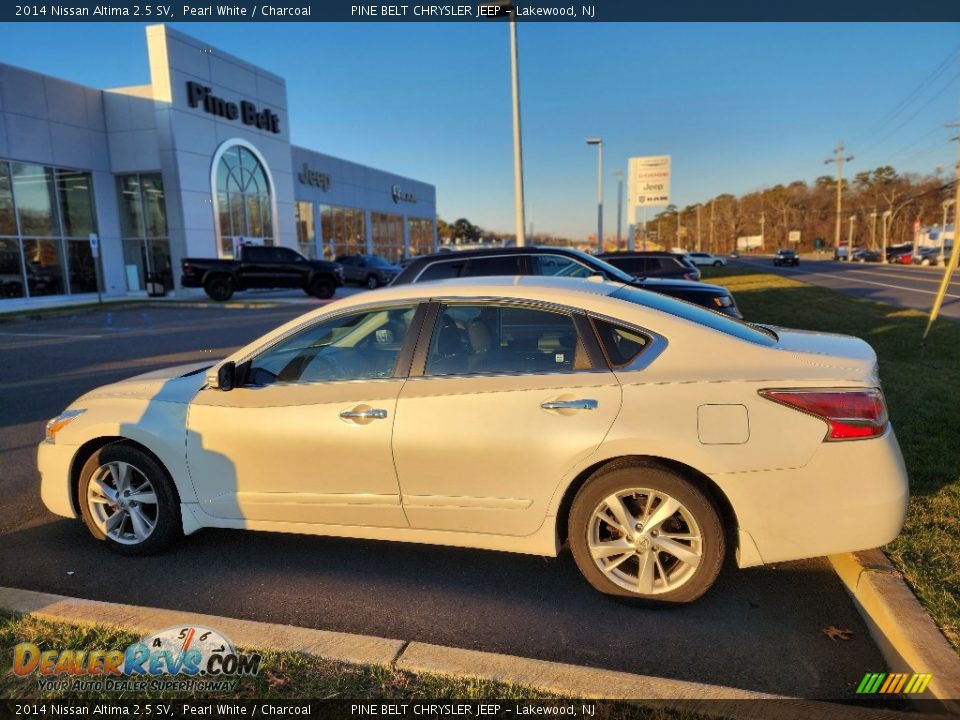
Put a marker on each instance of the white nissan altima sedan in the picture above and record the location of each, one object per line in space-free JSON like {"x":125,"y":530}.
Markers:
{"x":652,"y":435}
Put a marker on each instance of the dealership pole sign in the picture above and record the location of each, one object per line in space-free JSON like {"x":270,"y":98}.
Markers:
{"x":648,"y":183}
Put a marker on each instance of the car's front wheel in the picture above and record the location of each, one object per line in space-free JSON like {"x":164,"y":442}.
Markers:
{"x":644,"y":532}
{"x":717,"y":263}
{"x":127,"y":500}
{"x":322,"y":288}
{"x":373,"y":282}
{"x":219,"y":287}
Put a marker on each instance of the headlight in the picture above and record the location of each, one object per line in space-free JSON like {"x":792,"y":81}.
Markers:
{"x":60,"y":422}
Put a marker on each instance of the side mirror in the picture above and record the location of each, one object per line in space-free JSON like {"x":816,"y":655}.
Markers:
{"x":227,"y":376}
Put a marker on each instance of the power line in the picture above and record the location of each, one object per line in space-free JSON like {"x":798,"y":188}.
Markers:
{"x":916,"y":92}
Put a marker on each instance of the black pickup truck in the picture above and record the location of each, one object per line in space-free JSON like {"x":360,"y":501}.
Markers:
{"x":261,"y":266}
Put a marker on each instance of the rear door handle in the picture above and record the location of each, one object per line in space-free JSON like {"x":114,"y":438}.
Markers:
{"x":585,"y":404}
{"x":372,"y":414}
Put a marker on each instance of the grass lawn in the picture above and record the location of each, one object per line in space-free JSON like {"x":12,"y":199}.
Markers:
{"x":283,"y":676}
{"x":922,"y":387}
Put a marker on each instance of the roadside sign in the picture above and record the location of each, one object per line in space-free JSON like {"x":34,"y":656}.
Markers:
{"x":94,"y":245}
{"x":794,"y":236}
{"x":648,"y":181}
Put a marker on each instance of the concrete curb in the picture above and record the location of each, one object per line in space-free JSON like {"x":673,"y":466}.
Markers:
{"x":905,"y":634}
{"x":417,"y":657}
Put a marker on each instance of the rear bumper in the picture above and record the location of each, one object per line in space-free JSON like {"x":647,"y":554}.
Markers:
{"x":850,"y":496}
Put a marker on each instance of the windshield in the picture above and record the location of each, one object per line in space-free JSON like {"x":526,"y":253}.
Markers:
{"x":378,"y":261}
{"x":698,"y":314}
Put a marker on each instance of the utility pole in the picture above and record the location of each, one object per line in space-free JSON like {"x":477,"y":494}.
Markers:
{"x":519,"y":222}
{"x":711,"y":225}
{"x":853,"y":219}
{"x":840,"y":160}
{"x":943,"y":229}
{"x":599,"y":143}
{"x":955,"y":253}
{"x":698,"y":228}
{"x":873,"y":229}
{"x":763,"y":221}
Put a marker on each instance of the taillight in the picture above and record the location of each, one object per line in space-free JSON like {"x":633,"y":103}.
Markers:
{"x":849,"y":414}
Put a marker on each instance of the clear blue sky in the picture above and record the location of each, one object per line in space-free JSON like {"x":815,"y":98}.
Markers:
{"x":738,"y":106}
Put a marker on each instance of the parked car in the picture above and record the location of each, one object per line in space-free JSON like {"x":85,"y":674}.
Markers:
{"x":653,"y":264}
{"x":371,"y":271}
{"x":864,"y":255}
{"x":930,"y":255}
{"x":561,"y":262}
{"x":702,"y":258}
{"x":901,"y":254}
{"x":593,"y":421}
{"x":786,"y":256}
{"x":260,"y":266}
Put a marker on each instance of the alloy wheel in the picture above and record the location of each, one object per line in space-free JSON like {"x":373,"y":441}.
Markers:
{"x":645,"y":541}
{"x":123,"y":503}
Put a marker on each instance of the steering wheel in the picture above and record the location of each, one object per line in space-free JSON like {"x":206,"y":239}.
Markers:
{"x":324,"y":367}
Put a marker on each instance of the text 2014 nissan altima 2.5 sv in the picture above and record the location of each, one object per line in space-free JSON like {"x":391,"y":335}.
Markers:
{"x":652,"y":435}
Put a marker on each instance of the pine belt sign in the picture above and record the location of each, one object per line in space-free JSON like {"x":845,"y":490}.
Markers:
{"x":648,"y":182}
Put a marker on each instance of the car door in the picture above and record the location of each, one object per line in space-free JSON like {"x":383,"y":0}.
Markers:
{"x":503,"y":402}
{"x":306,"y":438}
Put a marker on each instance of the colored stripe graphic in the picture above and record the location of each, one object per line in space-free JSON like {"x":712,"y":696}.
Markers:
{"x":894,"y":683}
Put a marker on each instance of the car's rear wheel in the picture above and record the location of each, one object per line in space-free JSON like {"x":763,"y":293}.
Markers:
{"x":717,"y":263}
{"x":127,"y":500}
{"x":219,"y":287}
{"x":372,"y":282}
{"x":644,"y":532}
{"x":322,"y":288}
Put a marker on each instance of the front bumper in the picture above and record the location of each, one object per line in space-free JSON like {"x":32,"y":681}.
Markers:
{"x":850,"y":496}
{"x":53,"y":461}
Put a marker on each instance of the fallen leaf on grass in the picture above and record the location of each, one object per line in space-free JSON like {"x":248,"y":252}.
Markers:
{"x":835,"y":633}
{"x":275,"y":681}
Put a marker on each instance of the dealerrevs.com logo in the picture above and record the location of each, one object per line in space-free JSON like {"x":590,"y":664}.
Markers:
{"x":186,"y":659}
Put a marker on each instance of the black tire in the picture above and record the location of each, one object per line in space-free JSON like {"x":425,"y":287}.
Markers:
{"x":717,"y":264}
{"x":372,"y":282}
{"x":618,"y":478}
{"x":168,"y":525}
{"x":322,"y":287}
{"x":219,"y":287}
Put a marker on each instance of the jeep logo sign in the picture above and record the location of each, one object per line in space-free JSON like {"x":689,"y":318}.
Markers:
{"x":315,"y":178}
{"x":400,"y":195}
{"x":202,"y":96}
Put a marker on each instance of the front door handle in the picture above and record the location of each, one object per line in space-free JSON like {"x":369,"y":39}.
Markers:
{"x":371,"y":414}
{"x":585,"y":404}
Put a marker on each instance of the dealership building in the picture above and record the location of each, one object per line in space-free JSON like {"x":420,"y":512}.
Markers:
{"x":125,"y":182}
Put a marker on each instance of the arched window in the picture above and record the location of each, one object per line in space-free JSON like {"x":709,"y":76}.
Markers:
{"x":244,"y":199}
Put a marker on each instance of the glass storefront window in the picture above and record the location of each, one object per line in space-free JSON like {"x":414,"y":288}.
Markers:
{"x":11,"y":270}
{"x":143,"y":223}
{"x":8,"y":224}
{"x":76,"y":203}
{"x":83,"y":273}
{"x":387,"y":235}
{"x":33,"y":194}
{"x":420,"y":231}
{"x":44,"y":267}
{"x":243,"y":193}
{"x":306,"y":232}
{"x":154,"y":207}
{"x":131,"y":206}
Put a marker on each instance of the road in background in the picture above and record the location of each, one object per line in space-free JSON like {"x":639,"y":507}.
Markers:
{"x":910,"y":286}
{"x":758,"y":629}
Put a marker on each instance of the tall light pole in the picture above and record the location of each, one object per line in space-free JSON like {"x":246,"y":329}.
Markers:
{"x":873,"y":229}
{"x":519,"y":221}
{"x":599,"y":143}
{"x":619,"y":176}
{"x":699,"y":244}
{"x":853,"y":219}
{"x":885,"y":220}
{"x":839,"y":159}
{"x":711,"y":226}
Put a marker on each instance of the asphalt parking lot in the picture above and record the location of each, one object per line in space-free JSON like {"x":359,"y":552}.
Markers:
{"x":758,"y":629}
{"x":910,"y":286}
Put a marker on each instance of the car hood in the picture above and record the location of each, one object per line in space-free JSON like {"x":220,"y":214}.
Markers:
{"x":829,"y":350}
{"x":173,"y":384}
{"x":663,"y":283}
